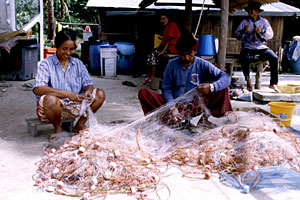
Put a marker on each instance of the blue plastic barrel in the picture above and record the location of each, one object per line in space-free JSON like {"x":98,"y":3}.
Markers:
{"x":295,"y":65}
{"x":206,"y":45}
{"x":125,"y":56}
{"x":95,"y":57}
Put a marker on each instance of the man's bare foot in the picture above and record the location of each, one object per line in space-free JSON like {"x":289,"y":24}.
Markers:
{"x":79,"y":127}
{"x":275,"y":88}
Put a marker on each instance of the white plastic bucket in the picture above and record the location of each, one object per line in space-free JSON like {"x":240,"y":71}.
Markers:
{"x":108,"y":60}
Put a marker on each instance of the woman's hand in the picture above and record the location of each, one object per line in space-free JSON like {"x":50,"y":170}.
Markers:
{"x":203,"y":88}
{"x":160,"y":53}
{"x":74,"y":96}
{"x":88,"y":96}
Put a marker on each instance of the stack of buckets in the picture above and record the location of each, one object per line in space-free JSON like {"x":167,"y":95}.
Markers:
{"x":283,"y":110}
{"x":108,"y":60}
{"x":95,"y":56}
{"x":103,"y":59}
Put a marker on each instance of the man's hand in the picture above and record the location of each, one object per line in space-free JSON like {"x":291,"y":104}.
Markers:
{"x":257,"y":30}
{"x":175,"y":115}
{"x":203,"y":88}
{"x":247,"y":28}
{"x":74,"y":97}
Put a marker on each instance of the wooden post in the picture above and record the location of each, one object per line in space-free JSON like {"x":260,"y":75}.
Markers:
{"x":189,"y":15}
{"x":223,"y":34}
{"x":99,"y":22}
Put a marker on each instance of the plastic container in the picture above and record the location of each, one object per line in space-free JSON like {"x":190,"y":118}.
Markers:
{"x":206,"y":45}
{"x":283,"y":110}
{"x":108,"y":59}
{"x":157,"y":40}
{"x":30,"y":58}
{"x":95,"y":56}
{"x":295,"y":65}
{"x":125,"y":56}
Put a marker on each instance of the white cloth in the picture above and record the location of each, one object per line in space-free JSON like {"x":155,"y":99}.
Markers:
{"x":296,"y":53}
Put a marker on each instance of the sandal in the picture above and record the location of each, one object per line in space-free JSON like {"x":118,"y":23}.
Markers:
{"x":52,"y":137}
{"x":275,"y":88}
{"x":129,"y":83}
{"x":147,"y":81}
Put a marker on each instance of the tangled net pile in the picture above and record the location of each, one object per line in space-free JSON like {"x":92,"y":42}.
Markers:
{"x":132,"y":159}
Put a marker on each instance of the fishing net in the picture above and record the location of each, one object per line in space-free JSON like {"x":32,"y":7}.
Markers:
{"x":132,"y":158}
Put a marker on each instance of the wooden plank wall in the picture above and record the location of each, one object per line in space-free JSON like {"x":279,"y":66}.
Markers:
{"x":211,"y":26}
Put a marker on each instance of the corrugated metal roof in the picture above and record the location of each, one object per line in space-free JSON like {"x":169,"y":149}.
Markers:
{"x":272,"y":9}
{"x":114,"y":3}
{"x":134,"y":4}
{"x":240,"y":4}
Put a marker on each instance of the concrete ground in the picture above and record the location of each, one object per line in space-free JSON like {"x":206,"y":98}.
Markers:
{"x":20,"y":152}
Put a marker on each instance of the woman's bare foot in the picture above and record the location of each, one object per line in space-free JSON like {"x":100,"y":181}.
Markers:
{"x":275,"y":88}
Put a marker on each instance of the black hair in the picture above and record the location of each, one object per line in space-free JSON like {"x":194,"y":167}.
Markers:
{"x":253,"y":5}
{"x":64,"y":35}
{"x":185,"y":42}
{"x":165,"y":13}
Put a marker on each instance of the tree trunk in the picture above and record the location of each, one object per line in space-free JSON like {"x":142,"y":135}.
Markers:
{"x":51,"y":21}
{"x":223,"y":34}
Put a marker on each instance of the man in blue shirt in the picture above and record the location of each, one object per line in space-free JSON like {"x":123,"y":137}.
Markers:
{"x":253,"y":32}
{"x":187,"y":72}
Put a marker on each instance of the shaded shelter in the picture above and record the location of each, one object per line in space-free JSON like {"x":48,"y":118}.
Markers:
{"x":139,"y":20}
{"x":226,"y":7}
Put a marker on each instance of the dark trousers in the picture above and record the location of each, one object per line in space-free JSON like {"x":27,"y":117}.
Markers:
{"x":217,"y":102}
{"x":246,"y":57}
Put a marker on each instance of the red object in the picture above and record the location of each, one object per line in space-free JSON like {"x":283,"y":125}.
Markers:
{"x":217,"y":102}
{"x":150,"y":100}
{"x":171,"y":31}
{"x":87,"y":29}
{"x":49,"y":52}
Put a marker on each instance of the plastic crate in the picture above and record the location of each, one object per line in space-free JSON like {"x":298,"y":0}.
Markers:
{"x":289,"y":88}
{"x":49,"y":52}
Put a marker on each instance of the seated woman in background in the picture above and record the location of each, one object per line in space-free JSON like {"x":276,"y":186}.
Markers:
{"x":62,"y":83}
{"x":170,"y":36}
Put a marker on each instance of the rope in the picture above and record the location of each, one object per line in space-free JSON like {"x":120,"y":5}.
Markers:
{"x":196,"y":30}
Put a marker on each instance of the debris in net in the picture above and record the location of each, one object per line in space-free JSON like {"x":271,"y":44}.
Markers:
{"x":131,"y":159}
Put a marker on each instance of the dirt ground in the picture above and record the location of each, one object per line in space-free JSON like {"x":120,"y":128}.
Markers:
{"x":20,"y":152}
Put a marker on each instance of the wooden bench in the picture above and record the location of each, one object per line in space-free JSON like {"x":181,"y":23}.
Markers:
{"x":34,"y":123}
{"x":260,"y":66}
